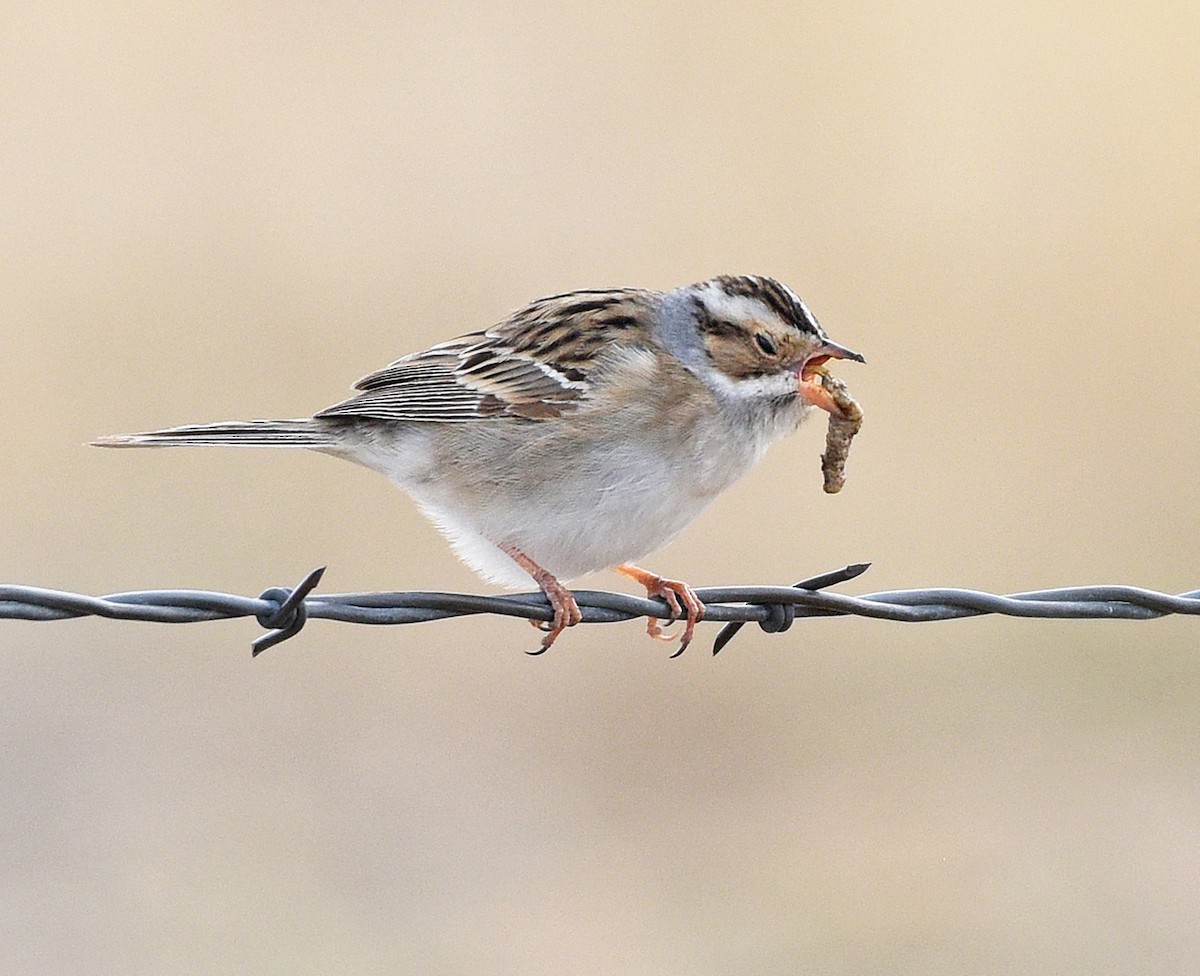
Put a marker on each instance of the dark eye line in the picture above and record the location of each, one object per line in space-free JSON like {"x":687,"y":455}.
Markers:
{"x":721,"y":327}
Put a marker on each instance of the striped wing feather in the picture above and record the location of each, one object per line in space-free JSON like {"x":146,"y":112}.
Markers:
{"x":533,"y":365}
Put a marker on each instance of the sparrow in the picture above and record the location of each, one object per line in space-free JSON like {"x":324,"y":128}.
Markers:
{"x":582,"y":432}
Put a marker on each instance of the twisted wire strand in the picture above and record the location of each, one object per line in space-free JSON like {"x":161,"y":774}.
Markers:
{"x":284,"y":611}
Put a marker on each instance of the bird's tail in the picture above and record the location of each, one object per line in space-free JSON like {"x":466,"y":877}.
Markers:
{"x":233,"y":433}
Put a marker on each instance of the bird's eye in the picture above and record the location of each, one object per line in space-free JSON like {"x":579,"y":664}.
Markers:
{"x":765,"y":344}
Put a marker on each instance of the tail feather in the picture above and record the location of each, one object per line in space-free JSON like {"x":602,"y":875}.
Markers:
{"x":234,"y":433}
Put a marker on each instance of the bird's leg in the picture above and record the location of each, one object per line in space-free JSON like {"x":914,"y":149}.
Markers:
{"x":562,"y":601}
{"x":672,"y":591}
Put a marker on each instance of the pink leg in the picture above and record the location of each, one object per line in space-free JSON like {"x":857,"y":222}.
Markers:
{"x":562,"y":602}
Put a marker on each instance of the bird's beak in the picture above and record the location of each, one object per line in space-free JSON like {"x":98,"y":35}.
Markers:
{"x":810,"y":386}
{"x":831,"y":350}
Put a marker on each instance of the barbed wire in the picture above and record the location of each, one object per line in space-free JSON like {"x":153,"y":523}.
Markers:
{"x":284,"y":611}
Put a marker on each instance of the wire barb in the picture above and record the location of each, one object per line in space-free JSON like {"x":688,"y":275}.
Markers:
{"x":780,"y":616}
{"x":284,"y":611}
{"x":290,"y":618}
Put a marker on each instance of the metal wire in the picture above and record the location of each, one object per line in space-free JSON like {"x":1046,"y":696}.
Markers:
{"x":284,"y":611}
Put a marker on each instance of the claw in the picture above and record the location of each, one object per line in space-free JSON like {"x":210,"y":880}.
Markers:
{"x":672,"y":592}
{"x":653,"y":628}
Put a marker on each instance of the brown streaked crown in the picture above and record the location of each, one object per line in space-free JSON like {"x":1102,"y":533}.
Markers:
{"x":779,"y":298}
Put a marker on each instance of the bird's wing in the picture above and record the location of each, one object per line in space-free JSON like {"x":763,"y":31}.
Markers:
{"x":536,"y":364}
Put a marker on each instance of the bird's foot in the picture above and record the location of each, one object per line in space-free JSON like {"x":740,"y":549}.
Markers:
{"x":674,"y":593}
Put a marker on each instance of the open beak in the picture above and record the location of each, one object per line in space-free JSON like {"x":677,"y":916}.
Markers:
{"x":810,"y":386}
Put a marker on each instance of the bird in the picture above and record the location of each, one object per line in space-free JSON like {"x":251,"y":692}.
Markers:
{"x":583,"y":432}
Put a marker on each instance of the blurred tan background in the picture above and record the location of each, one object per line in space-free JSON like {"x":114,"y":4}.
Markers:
{"x":235,"y":210}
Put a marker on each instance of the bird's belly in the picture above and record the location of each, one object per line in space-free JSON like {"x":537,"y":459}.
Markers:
{"x":569,"y":526}
{"x":573,"y":509}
